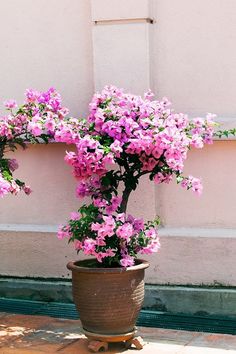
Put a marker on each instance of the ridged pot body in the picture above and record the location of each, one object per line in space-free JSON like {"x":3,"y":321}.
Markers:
{"x":108,"y":299}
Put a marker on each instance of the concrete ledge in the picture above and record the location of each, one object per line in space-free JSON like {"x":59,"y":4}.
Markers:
{"x":37,"y":290}
{"x":169,"y":299}
{"x":197,"y":232}
{"x":191,"y":300}
{"x":164,"y":231}
{"x":29,"y":228}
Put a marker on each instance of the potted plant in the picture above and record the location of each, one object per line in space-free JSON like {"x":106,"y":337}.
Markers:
{"x":125,"y":137}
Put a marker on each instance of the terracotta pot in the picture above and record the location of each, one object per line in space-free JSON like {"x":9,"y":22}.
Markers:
{"x":108,"y":299}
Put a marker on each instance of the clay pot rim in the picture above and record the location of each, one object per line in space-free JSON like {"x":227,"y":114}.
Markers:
{"x":74,"y":266}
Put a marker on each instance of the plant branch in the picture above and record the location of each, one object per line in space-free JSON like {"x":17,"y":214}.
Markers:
{"x":140,"y":174}
{"x":125,"y":198}
{"x":2,"y":148}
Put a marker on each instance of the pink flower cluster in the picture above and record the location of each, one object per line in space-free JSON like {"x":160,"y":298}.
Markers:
{"x":38,"y":115}
{"x":41,"y":118}
{"x":89,"y":159}
{"x":122,"y":124}
{"x":112,"y":235}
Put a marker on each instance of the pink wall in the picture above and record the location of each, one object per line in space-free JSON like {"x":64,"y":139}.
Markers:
{"x":216,"y":208}
{"x":53,"y":188}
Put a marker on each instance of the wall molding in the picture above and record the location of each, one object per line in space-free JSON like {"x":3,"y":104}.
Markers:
{"x":163,"y":231}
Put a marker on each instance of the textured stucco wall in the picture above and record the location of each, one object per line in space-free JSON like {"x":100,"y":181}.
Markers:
{"x":194,"y":55}
{"x":47,"y":43}
{"x":216,"y":207}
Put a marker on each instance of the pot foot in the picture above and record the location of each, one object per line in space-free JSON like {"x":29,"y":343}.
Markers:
{"x":97,"y":346}
{"x":138,"y":343}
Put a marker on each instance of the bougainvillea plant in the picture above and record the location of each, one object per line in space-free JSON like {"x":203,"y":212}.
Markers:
{"x":40,"y":119}
{"x":125,"y":137}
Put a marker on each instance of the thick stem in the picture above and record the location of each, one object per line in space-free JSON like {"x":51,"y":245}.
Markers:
{"x":128,"y":177}
{"x":125,"y":198}
{"x":128,"y":189}
{"x":2,"y":147}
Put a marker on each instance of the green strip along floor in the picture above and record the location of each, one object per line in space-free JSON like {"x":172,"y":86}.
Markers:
{"x":146,"y":318}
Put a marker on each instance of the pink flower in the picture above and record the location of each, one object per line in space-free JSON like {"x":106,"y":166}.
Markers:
{"x":5,"y":187}
{"x":116,"y":148}
{"x":50,"y":124}
{"x":78,"y":245}
{"x":63,"y":232}
{"x":159,"y":178}
{"x":13,"y":164}
{"x":109,"y":220}
{"x":98,"y":202}
{"x":148,"y":95}
{"x":100,"y":241}
{"x":197,"y":141}
{"x":74,"y":215}
{"x":110,"y":252}
{"x":152,"y":247}
{"x":31,"y":95}
{"x":192,"y":183}
{"x":89,"y":246}
{"x":138,"y":224}
{"x":27,"y":190}
{"x":106,"y":228}
{"x":185,"y":183}
{"x":120,"y":217}
{"x":115,"y":203}
{"x":82,"y":190}
{"x":96,"y":226}
{"x":10,"y":104}
{"x":15,"y":188}
{"x":196,"y":186}
{"x":35,"y":128}
{"x":151,"y":233}
{"x":100,"y":256}
{"x":127,"y":261}
{"x":108,"y":159}
{"x":109,"y":209}
{"x":125,"y":231}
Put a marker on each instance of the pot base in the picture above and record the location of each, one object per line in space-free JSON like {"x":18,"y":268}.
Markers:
{"x":98,"y":342}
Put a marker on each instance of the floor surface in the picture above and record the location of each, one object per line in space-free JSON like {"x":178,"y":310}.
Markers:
{"x":23,"y":334}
